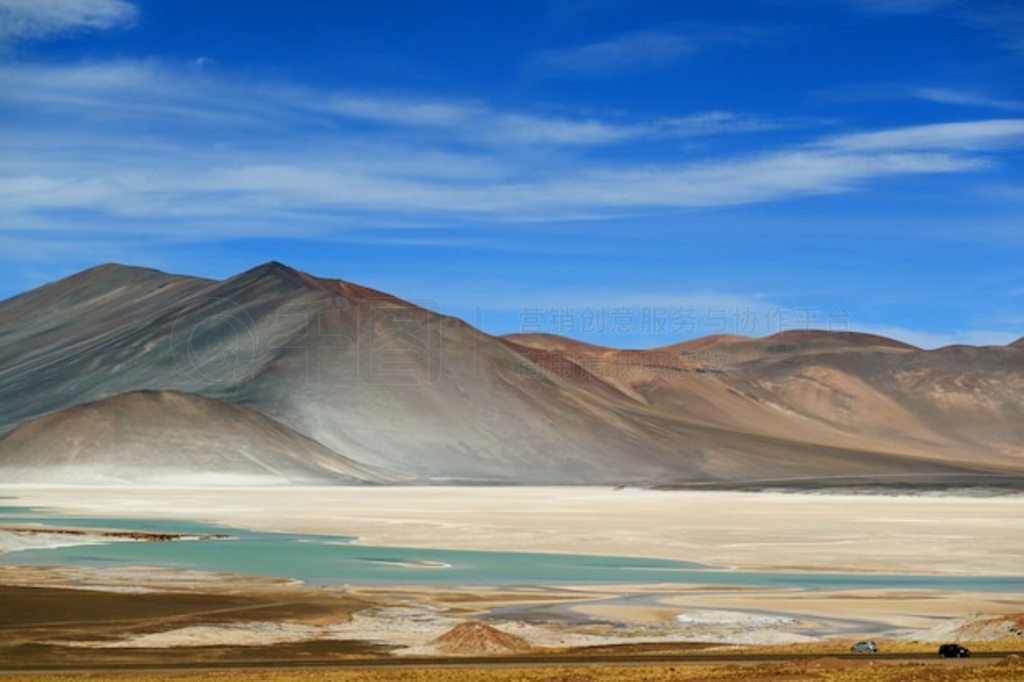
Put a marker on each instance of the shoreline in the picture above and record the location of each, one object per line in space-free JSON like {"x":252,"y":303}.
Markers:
{"x":768,"y":532}
{"x":93,"y":615}
{"x":777,"y":532}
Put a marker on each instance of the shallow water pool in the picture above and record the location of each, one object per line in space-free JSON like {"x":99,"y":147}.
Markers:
{"x":329,"y":559}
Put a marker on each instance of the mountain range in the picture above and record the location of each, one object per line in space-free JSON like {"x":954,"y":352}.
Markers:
{"x":121,"y":374}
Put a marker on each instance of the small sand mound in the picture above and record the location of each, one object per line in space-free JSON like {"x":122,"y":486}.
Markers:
{"x":983,"y":628}
{"x":1004,"y":626}
{"x":1012,"y":660}
{"x":473,"y":638}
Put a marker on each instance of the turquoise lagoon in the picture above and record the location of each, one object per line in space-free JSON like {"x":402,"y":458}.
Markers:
{"x":328,"y":559}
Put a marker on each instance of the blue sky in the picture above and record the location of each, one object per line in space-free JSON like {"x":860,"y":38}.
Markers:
{"x":632,"y":173}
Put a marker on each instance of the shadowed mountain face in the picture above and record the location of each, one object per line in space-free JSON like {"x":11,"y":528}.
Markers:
{"x":380,"y":383}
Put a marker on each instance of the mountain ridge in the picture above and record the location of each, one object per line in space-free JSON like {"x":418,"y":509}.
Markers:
{"x":398,"y":388}
{"x":285,"y":272}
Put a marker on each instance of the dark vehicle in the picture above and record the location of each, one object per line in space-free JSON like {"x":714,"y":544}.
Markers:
{"x":865,"y":647}
{"x":954,"y":651}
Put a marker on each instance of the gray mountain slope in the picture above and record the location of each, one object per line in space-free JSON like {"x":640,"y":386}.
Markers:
{"x":399,"y":388}
{"x":169,"y":438}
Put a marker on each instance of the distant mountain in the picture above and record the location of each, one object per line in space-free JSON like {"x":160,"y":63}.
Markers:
{"x":387,"y":386}
{"x":865,"y":392}
{"x":165,"y":437}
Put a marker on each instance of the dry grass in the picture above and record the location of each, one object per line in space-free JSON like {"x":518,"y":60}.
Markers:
{"x":819,"y":670}
{"x":823,"y":648}
{"x":889,"y":646}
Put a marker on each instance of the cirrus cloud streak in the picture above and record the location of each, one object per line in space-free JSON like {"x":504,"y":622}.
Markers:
{"x":165,"y":147}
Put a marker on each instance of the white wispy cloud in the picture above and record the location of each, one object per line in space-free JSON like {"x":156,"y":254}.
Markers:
{"x":1003,"y":19}
{"x":176,"y":149}
{"x":35,"y":19}
{"x":965,"y":98}
{"x":632,"y":51}
{"x":672,"y":316}
{"x":479,"y":121}
{"x":134,"y":88}
{"x":641,"y":50}
{"x":965,"y":135}
{"x":312,"y":185}
{"x":953,"y":95}
{"x":508,"y":298}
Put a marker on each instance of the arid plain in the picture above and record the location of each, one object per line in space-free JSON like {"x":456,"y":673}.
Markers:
{"x":142,"y":615}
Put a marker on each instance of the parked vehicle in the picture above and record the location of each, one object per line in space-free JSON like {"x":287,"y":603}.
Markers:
{"x":865,"y":647}
{"x":954,"y":651}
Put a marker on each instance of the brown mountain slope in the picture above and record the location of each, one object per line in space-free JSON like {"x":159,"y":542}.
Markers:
{"x":400,"y":388}
{"x":843,"y":389}
{"x":166,"y":437}
{"x":966,"y":399}
{"x":391,"y":384}
{"x":731,"y":350}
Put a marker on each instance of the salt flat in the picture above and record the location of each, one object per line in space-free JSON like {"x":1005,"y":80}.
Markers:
{"x":938,"y":534}
{"x":928,"y":534}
